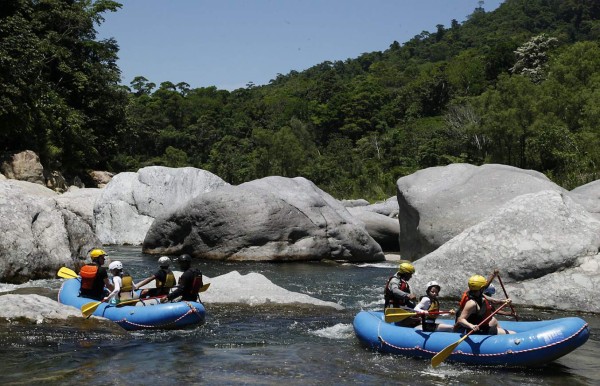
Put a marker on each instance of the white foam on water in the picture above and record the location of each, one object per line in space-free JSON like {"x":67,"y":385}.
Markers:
{"x":5,"y":287}
{"x":43,"y":283}
{"x":339,"y":331}
{"x":373,"y":305}
{"x":386,"y":265}
{"x":447,"y":371}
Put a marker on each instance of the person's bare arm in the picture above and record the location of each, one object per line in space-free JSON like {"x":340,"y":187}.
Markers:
{"x":470,"y":307}
{"x":144,"y":282}
{"x":108,"y":284}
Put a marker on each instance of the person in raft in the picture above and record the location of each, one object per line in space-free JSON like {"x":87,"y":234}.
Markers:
{"x":474,"y":308}
{"x":122,"y":284}
{"x":94,"y":277}
{"x":397,"y":293}
{"x":164,"y":280}
{"x":189,"y":283}
{"x":488,"y":293}
{"x":430,"y":303}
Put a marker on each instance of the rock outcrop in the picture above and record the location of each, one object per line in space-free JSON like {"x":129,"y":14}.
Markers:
{"x":128,"y":205}
{"x":38,"y":235}
{"x":544,"y":244}
{"x":438,"y":203}
{"x":274,"y":219}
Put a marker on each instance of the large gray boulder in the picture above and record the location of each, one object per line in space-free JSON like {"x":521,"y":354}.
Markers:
{"x":38,"y":235}
{"x":383,"y":229}
{"x":387,"y":208}
{"x":544,"y":244}
{"x":129,"y":203}
{"x":438,"y":203}
{"x":274,"y":218}
{"x":81,"y":202}
{"x":588,"y":196}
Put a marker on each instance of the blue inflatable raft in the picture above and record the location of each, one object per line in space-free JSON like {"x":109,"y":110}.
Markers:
{"x":158,"y":316}
{"x":534,"y":343}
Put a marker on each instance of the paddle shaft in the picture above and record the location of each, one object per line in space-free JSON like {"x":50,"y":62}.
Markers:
{"x":416,"y":313}
{"x":134,"y":301}
{"x":445,"y":353}
{"x":506,"y":294}
{"x":393,"y":315}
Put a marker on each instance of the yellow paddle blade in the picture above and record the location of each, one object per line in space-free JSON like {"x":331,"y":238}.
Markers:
{"x":393,"y":315}
{"x":66,"y":273}
{"x":445,"y":353}
{"x":88,"y":309}
{"x":204,"y":287}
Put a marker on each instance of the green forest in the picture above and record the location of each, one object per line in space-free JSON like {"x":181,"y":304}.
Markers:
{"x":518,"y":86}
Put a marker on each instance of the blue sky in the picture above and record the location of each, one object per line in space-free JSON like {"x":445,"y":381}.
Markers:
{"x":230,"y":43}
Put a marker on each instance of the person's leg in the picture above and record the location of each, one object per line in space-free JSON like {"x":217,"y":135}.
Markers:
{"x":493,"y":330}
{"x":503,"y":331}
{"x":444,"y":328}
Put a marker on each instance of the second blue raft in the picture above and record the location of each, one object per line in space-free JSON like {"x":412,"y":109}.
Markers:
{"x":534,"y":343}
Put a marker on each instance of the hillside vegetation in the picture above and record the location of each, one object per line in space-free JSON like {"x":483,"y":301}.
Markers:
{"x":517,"y":86}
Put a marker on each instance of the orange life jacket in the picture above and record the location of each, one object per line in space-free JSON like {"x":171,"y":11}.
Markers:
{"x":88,"y":274}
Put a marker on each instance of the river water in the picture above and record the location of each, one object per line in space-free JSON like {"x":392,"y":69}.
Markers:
{"x":269,"y":344}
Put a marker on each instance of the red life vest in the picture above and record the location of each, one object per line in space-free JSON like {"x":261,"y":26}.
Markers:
{"x":389,"y":297}
{"x":485,"y":310}
{"x":197,"y":284}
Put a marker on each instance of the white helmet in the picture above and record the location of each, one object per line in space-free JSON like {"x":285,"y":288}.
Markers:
{"x":433,"y":283}
{"x":164,"y":261}
{"x":115,"y":265}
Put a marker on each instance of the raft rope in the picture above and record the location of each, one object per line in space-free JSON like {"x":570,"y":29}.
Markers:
{"x":460,"y":352}
{"x":192,"y":310}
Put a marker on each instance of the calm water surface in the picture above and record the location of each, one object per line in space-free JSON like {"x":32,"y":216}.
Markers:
{"x":267,"y":345}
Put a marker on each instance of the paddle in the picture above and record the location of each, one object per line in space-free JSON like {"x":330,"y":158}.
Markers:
{"x":88,"y":308}
{"x":506,"y":294}
{"x":445,"y":353}
{"x":66,"y":273}
{"x":393,"y":315}
{"x":204,"y":287}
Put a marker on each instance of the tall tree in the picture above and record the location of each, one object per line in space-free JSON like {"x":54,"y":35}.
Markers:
{"x":59,"y":86}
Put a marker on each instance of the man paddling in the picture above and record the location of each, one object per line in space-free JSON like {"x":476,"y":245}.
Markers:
{"x":164,"y":278}
{"x":94,"y":277}
{"x":397,"y":293}
{"x":476,"y":308}
{"x":189,"y":283}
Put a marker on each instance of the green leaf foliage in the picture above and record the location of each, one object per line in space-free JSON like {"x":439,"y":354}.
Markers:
{"x":516,"y":86}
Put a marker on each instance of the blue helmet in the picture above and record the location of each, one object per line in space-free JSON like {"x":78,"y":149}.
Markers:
{"x":490,"y":290}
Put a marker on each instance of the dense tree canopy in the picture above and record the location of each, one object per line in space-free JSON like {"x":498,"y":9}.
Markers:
{"x":58,"y":85}
{"x":517,"y":86}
